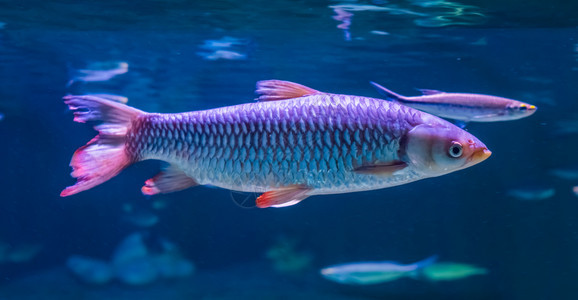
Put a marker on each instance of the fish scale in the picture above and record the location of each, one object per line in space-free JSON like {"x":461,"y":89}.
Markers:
{"x":290,"y":153}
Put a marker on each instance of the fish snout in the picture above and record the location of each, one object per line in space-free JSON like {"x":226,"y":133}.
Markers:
{"x":480,"y":154}
{"x":526,"y":109}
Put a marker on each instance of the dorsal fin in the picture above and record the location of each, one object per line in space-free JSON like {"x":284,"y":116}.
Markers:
{"x":271,"y":90}
{"x":430,"y":92}
{"x":387,"y":93}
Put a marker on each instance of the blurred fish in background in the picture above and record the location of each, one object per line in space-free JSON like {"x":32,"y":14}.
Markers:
{"x":226,"y":48}
{"x":98,"y":71}
{"x":534,"y":192}
{"x":463,"y":107}
{"x":429,"y":269}
{"x":365,"y":273}
{"x":567,"y":172}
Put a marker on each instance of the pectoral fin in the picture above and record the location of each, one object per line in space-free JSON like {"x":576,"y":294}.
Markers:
{"x":382,"y":169}
{"x":172,"y":179}
{"x":271,"y":90}
{"x":282,"y":197}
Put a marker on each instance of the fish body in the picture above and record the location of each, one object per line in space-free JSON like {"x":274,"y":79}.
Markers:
{"x":462,"y":106}
{"x":103,"y":71}
{"x":365,"y":273}
{"x":294,"y":143}
{"x":446,"y":271}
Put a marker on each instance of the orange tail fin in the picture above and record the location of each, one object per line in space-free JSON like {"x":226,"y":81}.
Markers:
{"x":104,"y":156}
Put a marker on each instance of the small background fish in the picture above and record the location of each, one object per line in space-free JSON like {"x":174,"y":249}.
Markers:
{"x":463,"y":107}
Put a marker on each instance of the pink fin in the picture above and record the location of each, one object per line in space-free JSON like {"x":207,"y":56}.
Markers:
{"x":282,"y":197}
{"x":172,"y":179}
{"x":271,"y":90}
{"x":105,"y":155}
{"x":387,"y":168}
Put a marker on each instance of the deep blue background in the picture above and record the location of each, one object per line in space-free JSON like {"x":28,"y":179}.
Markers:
{"x":530,"y":53}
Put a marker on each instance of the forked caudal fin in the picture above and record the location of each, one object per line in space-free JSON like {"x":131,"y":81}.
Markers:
{"x":105,"y":155}
{"x":420,"y":265}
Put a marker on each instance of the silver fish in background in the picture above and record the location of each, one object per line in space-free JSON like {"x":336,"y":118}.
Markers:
{"x":293,"y":143}
{"x":463,"y":107}
{"x":365,"y":273}
{"x":98,"y":71}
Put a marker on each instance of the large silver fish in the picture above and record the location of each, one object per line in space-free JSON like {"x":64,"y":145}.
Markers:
{"x":293,"y":143}
{"x":463,"y":107}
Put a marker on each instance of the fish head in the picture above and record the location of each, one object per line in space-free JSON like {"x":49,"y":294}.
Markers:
{"x":518,"y":110}
{"x":434,"y":150}
{"x":335,"y":274}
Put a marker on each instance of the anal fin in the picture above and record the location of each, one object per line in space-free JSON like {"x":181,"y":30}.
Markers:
{"x":384,"y":169}
{"x":172,"y":179}
{"x":283,"y":197}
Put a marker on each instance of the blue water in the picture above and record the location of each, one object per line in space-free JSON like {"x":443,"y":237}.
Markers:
{"x":520,"y":50}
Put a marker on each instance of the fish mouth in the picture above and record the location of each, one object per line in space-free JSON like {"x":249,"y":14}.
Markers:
{"x":531,"y":109}
{"x":528,"y":109}
{"x":327,"y":271}
{"x":480,"y":155}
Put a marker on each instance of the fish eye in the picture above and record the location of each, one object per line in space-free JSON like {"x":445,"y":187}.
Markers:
{"x":523,"y":107}
{"x":456,"y":150}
